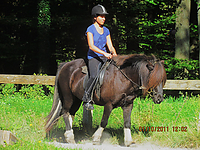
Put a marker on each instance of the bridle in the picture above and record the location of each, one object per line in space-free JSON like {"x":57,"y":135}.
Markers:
{"x":151,"y":91}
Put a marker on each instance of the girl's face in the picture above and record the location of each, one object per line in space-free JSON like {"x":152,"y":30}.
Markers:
{"x":101,"y":19}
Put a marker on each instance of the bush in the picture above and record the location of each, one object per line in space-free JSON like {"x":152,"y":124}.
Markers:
{"x":39,"y":92}
{"x":7,"y":89}
{"x":181,"y":69}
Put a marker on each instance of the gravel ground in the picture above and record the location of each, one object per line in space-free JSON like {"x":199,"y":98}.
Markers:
{"x":90,"y":146}
{"x":86,"y":144}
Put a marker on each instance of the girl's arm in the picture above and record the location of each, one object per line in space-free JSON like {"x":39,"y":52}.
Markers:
{"x":110,"y":45}
{"x":94,"y":48}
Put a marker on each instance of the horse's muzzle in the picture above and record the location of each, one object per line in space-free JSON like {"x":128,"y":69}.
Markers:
{"x":158,"y":99}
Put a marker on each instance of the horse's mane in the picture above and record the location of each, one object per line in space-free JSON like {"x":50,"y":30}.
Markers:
{"x":157,"y":74}
{"x":128,"y":60}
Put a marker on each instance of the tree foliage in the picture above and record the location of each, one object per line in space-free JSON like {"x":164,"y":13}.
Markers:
{"x":40,"y":34}
{"x":44,"y":13}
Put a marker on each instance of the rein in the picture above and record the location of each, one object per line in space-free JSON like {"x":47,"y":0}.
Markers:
{"x":114,"y":63}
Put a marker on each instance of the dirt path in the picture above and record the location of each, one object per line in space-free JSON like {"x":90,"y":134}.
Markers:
{"x":86,"y":144}
{"x":104,"y":146}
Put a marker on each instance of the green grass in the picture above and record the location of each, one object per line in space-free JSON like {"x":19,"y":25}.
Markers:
{"x":25,"y":118}
{"x":180,"y":112}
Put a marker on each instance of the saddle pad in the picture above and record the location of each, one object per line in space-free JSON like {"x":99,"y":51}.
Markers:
{"x":99,"y":81}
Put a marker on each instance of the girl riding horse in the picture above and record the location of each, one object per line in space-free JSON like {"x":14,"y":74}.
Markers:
{"x":98,"y":37}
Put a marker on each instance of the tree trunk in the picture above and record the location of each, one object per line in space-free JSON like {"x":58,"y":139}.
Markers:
{"x":44,"y":21}
{"x":182,"y":37}
{"x":44,"y":50}
{"x":198,"y":12}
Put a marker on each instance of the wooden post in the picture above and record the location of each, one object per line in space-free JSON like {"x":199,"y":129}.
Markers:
{"x":87,"y":120}
{"x":198,"y":16}
{"x":7,"y":138}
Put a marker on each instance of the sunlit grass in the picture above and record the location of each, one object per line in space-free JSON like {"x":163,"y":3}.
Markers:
{"x":25,"y":118}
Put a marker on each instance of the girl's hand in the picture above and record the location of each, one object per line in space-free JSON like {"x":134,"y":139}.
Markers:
{"x":107,"y":55}
{"x":112,"y":53}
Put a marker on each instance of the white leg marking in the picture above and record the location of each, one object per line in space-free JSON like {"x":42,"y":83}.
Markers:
{"x":69,"y":136}
{"x":127,"y":137}
{"x":97,"y":136}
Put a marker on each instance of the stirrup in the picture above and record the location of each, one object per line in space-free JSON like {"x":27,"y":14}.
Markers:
{"x":88,"y":106}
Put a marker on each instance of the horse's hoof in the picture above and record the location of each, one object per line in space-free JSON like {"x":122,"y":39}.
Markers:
{"x":133,"y":145}
{"x":69,"y":137}
{"x":70,"y":141}
{"x":96,"y":142}
{"x":129,"y":144}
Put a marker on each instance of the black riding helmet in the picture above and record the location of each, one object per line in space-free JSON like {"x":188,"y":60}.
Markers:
{"x":98,"y":10}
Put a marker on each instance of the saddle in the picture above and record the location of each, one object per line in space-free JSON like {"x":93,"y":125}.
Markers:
{"x":99,"y":81}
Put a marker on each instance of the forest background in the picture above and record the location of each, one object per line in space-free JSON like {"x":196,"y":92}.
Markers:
{"x":35,"y":36}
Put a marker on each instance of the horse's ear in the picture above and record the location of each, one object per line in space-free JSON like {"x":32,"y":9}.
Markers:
{"x":153,"y":56}
{"x":150,"y":66}
{"x":162,"y":61}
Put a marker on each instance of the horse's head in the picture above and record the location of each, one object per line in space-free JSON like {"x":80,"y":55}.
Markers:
{"x":154,"y":80}
{"x":148,"y":71}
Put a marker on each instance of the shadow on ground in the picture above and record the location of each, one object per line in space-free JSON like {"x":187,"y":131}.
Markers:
{"x":109,"y":135}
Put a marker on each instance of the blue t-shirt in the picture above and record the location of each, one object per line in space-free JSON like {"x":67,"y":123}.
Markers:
{"x":99,"y":40}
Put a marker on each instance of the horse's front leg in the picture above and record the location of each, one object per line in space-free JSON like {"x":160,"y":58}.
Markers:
{"x":127,"y":124}
{"x":97,"y":135}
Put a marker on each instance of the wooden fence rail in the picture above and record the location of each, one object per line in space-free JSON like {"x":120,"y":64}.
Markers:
{"x":87,"y":115}
{"x":27,"y":79}
{"x":50,"y":80}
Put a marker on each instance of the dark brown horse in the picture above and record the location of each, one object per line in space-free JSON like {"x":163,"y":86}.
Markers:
{"x":121,"y":83}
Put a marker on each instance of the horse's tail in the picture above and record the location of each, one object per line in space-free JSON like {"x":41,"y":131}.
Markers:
{"x":55,"y":112}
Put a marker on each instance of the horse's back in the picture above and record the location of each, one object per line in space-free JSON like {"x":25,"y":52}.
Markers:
{"x":70,"y":75}
{"x":72,"y":65}
{"x":68,"y":68}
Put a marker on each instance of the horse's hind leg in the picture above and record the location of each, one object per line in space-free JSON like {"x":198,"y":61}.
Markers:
{"x":68,"y":118}
{"x":67,"y":101}
{"x":69,"y":135}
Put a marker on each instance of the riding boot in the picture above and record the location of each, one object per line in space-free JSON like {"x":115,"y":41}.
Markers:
{"x":87,"y":97}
